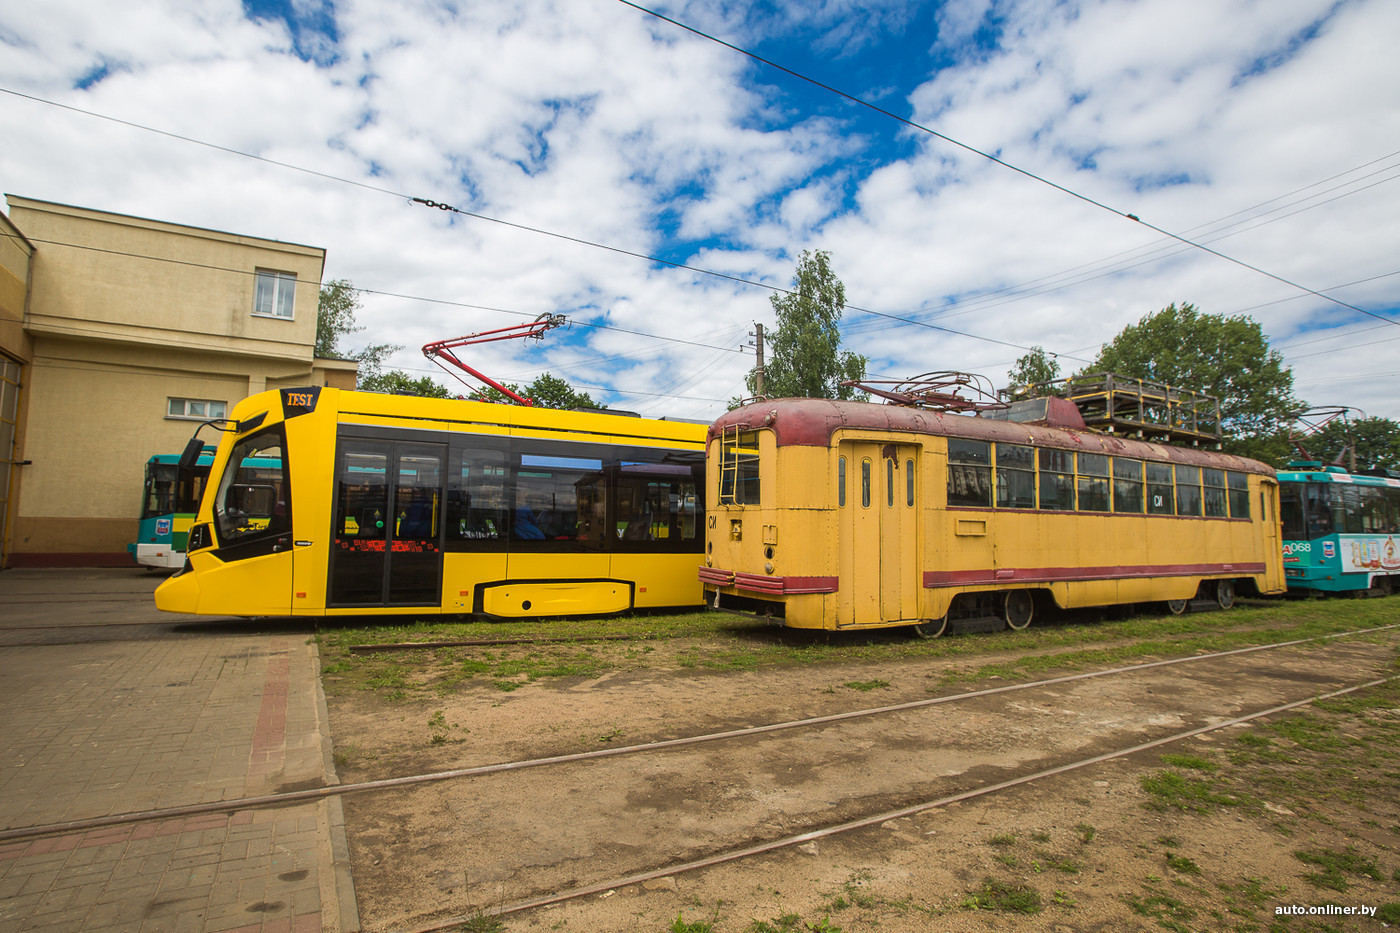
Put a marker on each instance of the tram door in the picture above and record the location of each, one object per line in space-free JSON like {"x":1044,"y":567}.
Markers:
{"x":879,"y":533}
{"x":388,"y":524}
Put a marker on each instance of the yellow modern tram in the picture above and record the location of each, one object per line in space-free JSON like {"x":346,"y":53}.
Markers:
{"x":847,"y":515}
{"x":394,"y":505}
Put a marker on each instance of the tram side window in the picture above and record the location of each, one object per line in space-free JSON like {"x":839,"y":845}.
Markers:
{"x":1290,"y":507}
{"x":658,"y":507}
{"x":558,"y":499}
{"x":1188,"y":490}
{"x":969,"y":473}
{"x":1093,"y":483}
{"x":160,"y":489}
{"x":477,"y":505}
{"x":1161,"y":491}
{"x":1127,"y":485}
{"x":1213,"y":493}
{"x":1057,"y":479}
{"x":254,"y":500}
{"x":1346,"y":509}
{"x":1238,"y":485}
{"x":841,"y":482}
{"x":362,"y":496}
{"x":1015,"y":476}
{"x":1318,"y":510}
{"x":1373,"y":517}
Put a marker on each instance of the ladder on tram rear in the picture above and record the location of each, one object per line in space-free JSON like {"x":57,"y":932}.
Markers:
{"x":732,"y":460}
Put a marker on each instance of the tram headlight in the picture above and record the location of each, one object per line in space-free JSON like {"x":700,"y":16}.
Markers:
{"x":768,"y":567}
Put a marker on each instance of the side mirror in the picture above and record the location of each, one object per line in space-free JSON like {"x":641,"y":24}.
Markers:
{"x":191,"y":454}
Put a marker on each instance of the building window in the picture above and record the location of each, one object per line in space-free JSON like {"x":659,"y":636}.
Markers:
{"x":274,"y":294}
{"x":196,"y":409}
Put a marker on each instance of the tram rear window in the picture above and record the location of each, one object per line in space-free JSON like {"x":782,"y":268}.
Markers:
{"x":738,"y":470}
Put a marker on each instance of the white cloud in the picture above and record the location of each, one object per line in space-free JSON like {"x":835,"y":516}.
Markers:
{"x":602,"y":124}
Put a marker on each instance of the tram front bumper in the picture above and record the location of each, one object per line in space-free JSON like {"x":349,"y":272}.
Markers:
{"x":180,"y":593}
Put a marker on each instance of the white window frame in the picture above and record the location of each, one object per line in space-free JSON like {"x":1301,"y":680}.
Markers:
{"x":188,"y":409}
{"x":274,"y":294}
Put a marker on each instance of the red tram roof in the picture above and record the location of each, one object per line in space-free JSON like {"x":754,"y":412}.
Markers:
{"x":811,"y":422}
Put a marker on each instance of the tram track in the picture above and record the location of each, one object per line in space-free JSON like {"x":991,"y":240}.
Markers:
{"x":408,"y":781}
{"x":877,"y":819}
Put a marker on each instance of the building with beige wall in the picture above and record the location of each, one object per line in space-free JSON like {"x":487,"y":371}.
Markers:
{"x":130,"y":333}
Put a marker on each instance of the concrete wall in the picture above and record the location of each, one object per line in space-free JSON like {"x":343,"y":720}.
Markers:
{"x":123,"y":314}
{"x":15,"y":351}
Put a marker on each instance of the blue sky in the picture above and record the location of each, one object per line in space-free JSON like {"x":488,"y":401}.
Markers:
{"x":1269,"y":129}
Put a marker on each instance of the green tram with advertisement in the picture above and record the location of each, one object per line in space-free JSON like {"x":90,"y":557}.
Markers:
{"x":1340,"y":529}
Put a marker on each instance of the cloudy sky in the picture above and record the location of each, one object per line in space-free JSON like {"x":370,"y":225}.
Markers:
{"x":587,"y":139}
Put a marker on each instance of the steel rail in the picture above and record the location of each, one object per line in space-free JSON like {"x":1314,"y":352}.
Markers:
{"x":868,"y":821}
{"x":336,"y":790}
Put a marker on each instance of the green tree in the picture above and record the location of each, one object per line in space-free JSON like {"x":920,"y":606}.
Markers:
{"x":1377,"y":443}
{"x":806,"y":359}
{"x":335,"y":317}
{"x":396,"y":382}
{"x":547,"y":391}
{"x":336,"y":307}
{"x":1034,"y":368}
{"x":1227,"y":357}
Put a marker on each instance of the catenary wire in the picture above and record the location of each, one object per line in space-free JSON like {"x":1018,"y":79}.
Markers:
{"x":1007,"y":165}
{"x":478,"y":216}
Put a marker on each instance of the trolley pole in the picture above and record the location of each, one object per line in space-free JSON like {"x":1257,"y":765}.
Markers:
{"x":758,"y":364}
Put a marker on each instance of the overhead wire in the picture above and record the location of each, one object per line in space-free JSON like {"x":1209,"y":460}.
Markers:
{"x":1003,"y":163}
{"x":479,"y":216}
{"x":1143,"y":255}
{"x":368,"y":291}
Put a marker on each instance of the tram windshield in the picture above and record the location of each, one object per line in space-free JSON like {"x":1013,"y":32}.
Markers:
{"x":254,"y":498}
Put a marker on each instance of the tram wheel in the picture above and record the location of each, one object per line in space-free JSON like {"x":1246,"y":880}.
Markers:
{"x":1225,"y":593}
{"x":929,"y":628}
{"x":1177,"y":606}
{"x":1018,"y":609}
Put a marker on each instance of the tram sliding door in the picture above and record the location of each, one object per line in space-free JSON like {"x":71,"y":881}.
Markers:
{"x":879,"y":534}
{"x":388,"y":524}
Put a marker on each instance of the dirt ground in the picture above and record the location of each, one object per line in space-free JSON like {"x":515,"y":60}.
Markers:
{"x":1207,"y":838}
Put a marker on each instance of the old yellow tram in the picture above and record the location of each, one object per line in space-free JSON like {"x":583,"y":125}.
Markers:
{"x":846,"y":515}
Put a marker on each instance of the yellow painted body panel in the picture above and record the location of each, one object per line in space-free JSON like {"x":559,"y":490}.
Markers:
{"x":528,"y":599}
{"x":662,"y":580}
{"x":259,"y":586}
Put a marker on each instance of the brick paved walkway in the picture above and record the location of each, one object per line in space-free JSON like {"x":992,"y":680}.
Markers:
{"x":102,"y":729}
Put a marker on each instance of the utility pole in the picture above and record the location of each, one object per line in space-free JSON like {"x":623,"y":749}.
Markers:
{"x":758,"y":365}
